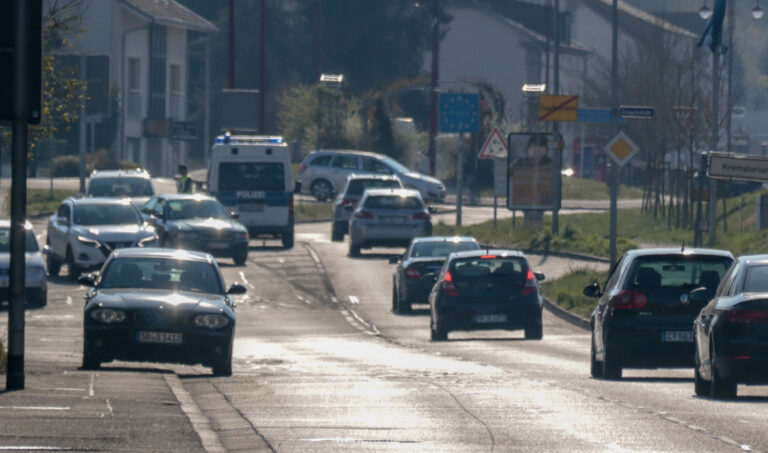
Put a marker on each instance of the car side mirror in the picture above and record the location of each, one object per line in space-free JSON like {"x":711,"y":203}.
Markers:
{"x":592,"y":290}
{"x":431,"y":209}
{"x":297,"y":187}
{"x":700,"y":295}
{"x":87,"y":280}
{"x":394,"y":260}
{"x":234,"y":215}
{"x":237,"y":288}
{"x":539,"y":276}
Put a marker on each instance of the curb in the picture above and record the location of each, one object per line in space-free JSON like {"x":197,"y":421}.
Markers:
{"x":566,"y":315}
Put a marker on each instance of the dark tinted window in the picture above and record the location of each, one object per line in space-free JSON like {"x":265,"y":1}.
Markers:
{"x":120,"y":187}
{"x":106,"y":214}
{"x":509,"y":271}
{"x":393,"y":202}
{"x":676,"y":273}
{"x":5,"y":241}
{"x":358,"y":186}
{"x":196,"y":209}
{"x":757,"y":280}
{"x":375,"y":166}
{"x":252,"y":176}
{"x":320,"y":161}
{"x":348,"y":162}
{"x":442,"y":248}
{"x":162,"y":273}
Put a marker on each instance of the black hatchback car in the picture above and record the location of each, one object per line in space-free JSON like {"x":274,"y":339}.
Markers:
{"x":731,"y":331}
{"x":644,"y":316}
{"x":159,"y":305}
{"x":484,"y":290}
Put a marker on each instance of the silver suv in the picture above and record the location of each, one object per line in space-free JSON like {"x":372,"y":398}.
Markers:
{"x":347,"y":200}
{"x":133,"y":184}
{"x":84,"y":231}
{"x":323,"y":173}
{"x":389,"y":218}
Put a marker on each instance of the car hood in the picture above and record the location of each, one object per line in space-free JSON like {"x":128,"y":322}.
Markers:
{"x":207,"y":224}
{"x":419,"y":179}
{"x":114,"y":232}
{"x":147,"y":299}
{"x":31,"y":258}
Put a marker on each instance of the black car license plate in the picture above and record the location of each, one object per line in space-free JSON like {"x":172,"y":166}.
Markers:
{"x":672,"y":336}
{"x":159,"y":337}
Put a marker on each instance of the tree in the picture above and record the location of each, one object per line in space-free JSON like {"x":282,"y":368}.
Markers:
{"x":314,"y":115}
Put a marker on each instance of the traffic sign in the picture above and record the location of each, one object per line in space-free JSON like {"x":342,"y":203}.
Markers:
{"x":459,"y":112}
{"x":621,"y":149}
{"x":738,"y":166}
{"x":637,"y":112}
{"x":558,"y":108}
{"x":597,"y":116}
{"x":494,"y":146}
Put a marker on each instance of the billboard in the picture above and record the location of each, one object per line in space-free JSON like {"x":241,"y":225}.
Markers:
{"x":530,"y":172}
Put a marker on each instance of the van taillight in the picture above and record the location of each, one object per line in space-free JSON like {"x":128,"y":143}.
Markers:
{"x":628,"y":299}
{"x":530,"y":284}
{"x":449,"y":289}
{"x":747,"y":316}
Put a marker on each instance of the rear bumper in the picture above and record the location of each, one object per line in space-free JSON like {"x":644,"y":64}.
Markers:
{"x":643,"y":347}
{"x":397,"y":236}
{"x":465,"y":317}
{"x":232,"y":248}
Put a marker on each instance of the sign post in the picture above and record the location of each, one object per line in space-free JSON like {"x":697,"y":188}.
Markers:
{"x":459,"y":113}
{"x":621,"y":150}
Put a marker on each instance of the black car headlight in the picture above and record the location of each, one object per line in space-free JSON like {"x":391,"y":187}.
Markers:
{"x":211,"y":321}
{"x":108,"y":315}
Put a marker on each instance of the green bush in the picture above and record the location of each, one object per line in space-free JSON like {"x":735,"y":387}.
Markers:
{"x":68,"y":165}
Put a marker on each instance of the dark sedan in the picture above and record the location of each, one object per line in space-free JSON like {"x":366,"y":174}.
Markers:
{"x":644,"y":316}
{"x":486,"y":289}
{"x":159,"y":305}
{"x":731,"y":331}
{"x":198,"y":222}
{"x":417,"y":269}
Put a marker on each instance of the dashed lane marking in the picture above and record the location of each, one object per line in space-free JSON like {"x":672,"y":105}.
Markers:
{"x":200,"y":423}
{"x":353,"y":299}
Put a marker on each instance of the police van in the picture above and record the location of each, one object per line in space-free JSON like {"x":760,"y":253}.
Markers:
{"x":252,"y":176}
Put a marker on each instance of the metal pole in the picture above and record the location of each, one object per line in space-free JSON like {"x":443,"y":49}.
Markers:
{"x":712,"y":205}
{"x":262,"y":71}
{"x":83,"y":124}
{"x":17,"y":275}
{"x":556,"y":130}
{"x":435,"y":89}
{"x":698,"y":241}
{"x":207,"y":104}
{"x":615,"y":117}
{"x":459,"y":179}
{"x":231,"y":66}
{"x":731,"y":25}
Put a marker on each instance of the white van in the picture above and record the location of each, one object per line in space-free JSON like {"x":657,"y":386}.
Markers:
{"x":252,"y":176}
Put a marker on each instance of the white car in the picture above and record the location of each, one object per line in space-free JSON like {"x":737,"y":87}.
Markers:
{"x":36,"y":279}
{"x":84,"y":231}
{"x":133,"y":184}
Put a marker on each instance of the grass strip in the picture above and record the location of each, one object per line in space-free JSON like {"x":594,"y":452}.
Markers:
{"x":309,"y":211}
{"x":566,"y":290}
{"x":40,"y":201}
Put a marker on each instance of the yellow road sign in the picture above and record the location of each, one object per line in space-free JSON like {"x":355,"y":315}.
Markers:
{"x":558,"y":108}
{"x":621,"y":149}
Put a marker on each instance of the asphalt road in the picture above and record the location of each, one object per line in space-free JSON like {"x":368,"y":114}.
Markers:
{"x":322,"y":364}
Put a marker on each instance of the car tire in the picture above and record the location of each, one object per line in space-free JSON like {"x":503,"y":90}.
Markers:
{"x":534,"y":331}
{"x":53,"y":265}
{"x":395,"y":302}
{"x":720,"y":387}
{"x":72,"y":268}
{"x":38,"y":300}
{"x":354,"y":249}
{"x":611,"y":367}
{"x":240,"y":258}
{"x":321,"y":189}
{"x":337,"y":231}
{"x":90,"y":361}
{"x":223,"y":368}
{"x":437,"y":332}
{"x":595,"y":367}
{"x":403,"y":305}
{"x":287,"y":239}
{"x":700,"y":386}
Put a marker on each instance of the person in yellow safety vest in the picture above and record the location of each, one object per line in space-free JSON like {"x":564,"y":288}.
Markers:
{"x":184,"y":184}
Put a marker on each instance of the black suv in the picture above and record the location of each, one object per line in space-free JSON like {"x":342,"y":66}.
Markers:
{"x":644,"y":317}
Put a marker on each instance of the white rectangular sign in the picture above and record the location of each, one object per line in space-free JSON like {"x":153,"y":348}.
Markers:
{"x":742,"y":167}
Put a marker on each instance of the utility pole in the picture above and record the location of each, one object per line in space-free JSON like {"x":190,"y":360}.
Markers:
{"x":262,"y":71}
{"x":434,"y":94}
{"x":556,"y":130}
{"x":231,"y":48}
{"x":615,"y":118}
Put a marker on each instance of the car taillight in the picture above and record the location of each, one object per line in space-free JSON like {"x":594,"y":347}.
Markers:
{"x":302,"y":168}
{"x":530,"y":284}
{"x":449,"y":289}
{"x":348,"y":202}
{"x":412,"y":273}
{"x":747,"y":316}
{"x":421,"y":216}
{"x":628,"y":299}
{"x":363,"y":215}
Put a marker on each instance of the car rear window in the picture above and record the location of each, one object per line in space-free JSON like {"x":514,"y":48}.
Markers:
{"x":676,"y":273}
{"x":441,"y":248}
{"x":509,"y":271}
{"x":393,"y":202}
{"x":358,"y":186}
{"x":120,"y":187}
{"x":263,"y":176}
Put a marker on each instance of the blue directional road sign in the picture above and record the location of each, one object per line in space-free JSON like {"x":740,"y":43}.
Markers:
{"x":459,"y":112}
{"x":644,"y":113}
{"x":597,"y":116}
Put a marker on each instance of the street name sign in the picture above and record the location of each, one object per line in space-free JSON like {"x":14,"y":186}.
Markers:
{"x":558,"y":108}
{"x":459,"y":112}
{"x":743,"y":167}
{"x":621,"y":149}
{"x":494,"y":146}
{"x":597,"y":116}
{"x":637,"y":112}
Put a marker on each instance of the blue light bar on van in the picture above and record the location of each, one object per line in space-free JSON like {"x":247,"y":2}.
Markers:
{"x":248,"y":139}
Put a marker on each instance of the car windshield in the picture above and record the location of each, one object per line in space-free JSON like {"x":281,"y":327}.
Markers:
{"x":5,"y":241}
{"x":252,"y":176}
{"x":106,"y":214}
{"x":196,"y":209}
{"x":506,"y":271}
{"x":441,"y":248}
{"x":358,"y":186}
{"x":393,"y":202}
{"x":677,"y":274}
{"x":162,"y":273}
{"x":395,"y":165}
{"x":120,"y":187}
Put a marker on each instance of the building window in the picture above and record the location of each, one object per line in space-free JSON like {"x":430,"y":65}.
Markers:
{"x":134,"y":88}
{"x":177,"y":95}
{"x":133,"y":150}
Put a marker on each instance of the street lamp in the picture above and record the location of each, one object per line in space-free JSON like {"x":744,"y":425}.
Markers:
{"x":757,"y":11}
{"x":705,"y":12}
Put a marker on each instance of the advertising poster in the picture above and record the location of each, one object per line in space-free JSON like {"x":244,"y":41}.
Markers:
{"x":530,"y":172}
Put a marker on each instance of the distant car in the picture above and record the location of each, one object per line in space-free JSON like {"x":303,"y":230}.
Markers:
{"x":347,"y":200}
{"x":417,"y":269}
{"x":84,"y":231}
{"x":324,"y":172}
{"x":731,"y":331}
{"x":133,"y":184}
{"x":644,"y":314}
{"x":198,"y":222}
{"x":388,"y":217}
{"x":484,"y":290}
{"x":36,"y":291}
{"x":159,"y":305}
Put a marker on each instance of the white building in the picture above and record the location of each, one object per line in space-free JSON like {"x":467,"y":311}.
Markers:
{"x":146,"y":45}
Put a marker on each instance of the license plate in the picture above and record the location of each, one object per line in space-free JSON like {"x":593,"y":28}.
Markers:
{"x":483,"y":319}
{"x":392,"y":219}
{"x":218,"y":245}
{"x":677,"y":337}
{"x":160,"y":337}
{"x":252,"y":207}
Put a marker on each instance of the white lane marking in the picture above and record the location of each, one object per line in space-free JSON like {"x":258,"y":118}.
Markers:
{"x":109,"y":407}
{"x":200,"y":423}
{"x":33,"y":448}
{"x":53,"y":316}
{"x":69,"y":300}
{"x":245,"y":280}
{"x":354,"y":299}
{"x":37,"y":408}
{"x":68,"y":389}
{"x":90,"y":386}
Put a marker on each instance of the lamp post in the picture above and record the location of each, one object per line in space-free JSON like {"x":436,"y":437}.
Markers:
{"x":434,"y":89}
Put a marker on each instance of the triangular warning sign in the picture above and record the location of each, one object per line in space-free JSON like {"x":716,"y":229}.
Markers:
{"x":494,"y":146}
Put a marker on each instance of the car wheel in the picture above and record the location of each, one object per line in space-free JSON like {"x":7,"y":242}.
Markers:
{"x":720,"y":388}
{"x":354,"y":249}
{"x":395,"y":302}
{"x":223,"y":368}
{"x":595,"y":368}
{"x":73,"y":269}
{"x":53,"y":265}
{"x":611,"y":367}
{"x":700,"y":386}
{"x":534,"y":331}
{"x":438,"y":332}
{"x":39,"y":300}
{"x":240,"y":258}
{"x":287,"y":239}
{"x":90,"y":361}
{"x":337,"y":232}
{"x":321,"y":189}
